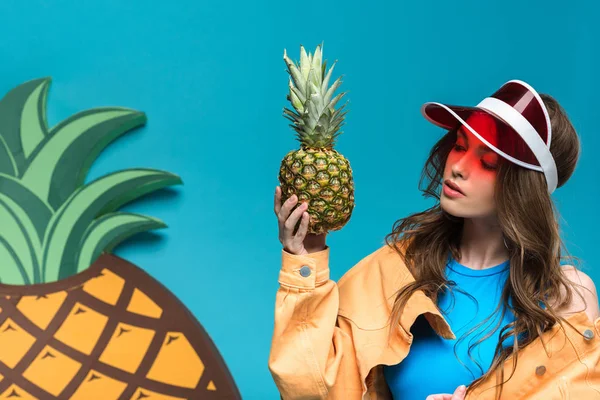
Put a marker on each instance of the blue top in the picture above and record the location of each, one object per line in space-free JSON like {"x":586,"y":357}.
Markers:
{"x":431,"y":366}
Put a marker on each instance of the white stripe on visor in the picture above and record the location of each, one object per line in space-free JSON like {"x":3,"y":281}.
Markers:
{"x":528,"y":133}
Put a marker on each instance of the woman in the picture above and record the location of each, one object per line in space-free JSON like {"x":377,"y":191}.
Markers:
{"x":467,"y":293}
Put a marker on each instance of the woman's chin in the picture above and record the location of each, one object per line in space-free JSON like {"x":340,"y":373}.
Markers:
{"x":470,"y":211}
{"x":455,"y":210}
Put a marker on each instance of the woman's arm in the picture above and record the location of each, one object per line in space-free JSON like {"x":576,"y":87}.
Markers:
{"x":312,"y":354}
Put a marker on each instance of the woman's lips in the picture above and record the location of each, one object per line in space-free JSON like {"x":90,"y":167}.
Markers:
{"x":452,"y":190}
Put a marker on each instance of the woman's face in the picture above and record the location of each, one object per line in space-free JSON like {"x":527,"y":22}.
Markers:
{"x":471,"y":166}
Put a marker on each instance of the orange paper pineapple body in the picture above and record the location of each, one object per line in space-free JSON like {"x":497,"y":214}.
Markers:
{"x":109,"y":332}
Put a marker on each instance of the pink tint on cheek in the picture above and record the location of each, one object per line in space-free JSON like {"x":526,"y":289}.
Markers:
{"x":471,"y":169}
{"x":481,"y":123}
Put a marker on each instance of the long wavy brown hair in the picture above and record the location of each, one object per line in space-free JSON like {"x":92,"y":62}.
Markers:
{"x":529,"y":222}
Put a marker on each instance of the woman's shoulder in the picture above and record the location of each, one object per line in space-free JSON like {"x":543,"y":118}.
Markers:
{"x":585,"y":296}
{"x":380,"y":263}
{"x":371,"y":283}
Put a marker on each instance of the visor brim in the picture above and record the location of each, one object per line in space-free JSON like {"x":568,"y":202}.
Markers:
{"x":503,"y":140}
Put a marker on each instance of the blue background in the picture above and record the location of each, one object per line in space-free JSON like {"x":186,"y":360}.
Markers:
{"x":211,"y":78}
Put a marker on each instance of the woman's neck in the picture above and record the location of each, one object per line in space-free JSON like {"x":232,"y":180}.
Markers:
{"x":482,"y":244}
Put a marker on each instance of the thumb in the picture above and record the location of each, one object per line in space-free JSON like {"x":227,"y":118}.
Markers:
{"x":459,"y":393}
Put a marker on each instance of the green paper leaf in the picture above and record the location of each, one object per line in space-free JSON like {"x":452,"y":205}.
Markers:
{"x":7,"y":162}
{"x":33,"y":119}
{"x":37,"y":211}
{"x":97,"y":198}
{"x":108,"y":231}
{"x":23,"y":116}
{"x":18,"y":233}
{"x":62,"y":162}
{"x":12,"y":271}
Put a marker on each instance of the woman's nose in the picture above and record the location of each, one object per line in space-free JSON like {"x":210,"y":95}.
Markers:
{"x":462,"y":165}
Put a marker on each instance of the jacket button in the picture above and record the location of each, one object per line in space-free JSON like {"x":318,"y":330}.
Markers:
{"x":305,"y":271}
{"x":588,"y":334}
{"x":541,"y":370}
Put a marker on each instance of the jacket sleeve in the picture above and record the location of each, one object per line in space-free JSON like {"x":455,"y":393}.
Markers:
{"x":312,"y":354}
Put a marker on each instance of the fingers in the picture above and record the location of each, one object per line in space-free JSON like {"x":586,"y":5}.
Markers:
{"x":301,"y":234}
{"x":459,"y":393}
{"x":277,"y":205}
{"x":284,"y":211}
{"x":292,"y":220}
{"x":288,"y":221}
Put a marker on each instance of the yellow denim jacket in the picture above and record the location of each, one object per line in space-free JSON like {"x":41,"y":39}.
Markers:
{"x":330,"y":340}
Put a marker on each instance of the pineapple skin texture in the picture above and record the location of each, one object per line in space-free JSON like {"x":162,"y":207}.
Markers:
{"x":323,"y":179}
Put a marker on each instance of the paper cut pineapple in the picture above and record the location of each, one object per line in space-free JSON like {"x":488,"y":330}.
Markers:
{"x":77,"y":322}
{"x":316,"y":172}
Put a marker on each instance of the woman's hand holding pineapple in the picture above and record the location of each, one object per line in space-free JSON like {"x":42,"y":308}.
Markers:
{"x":299,"y":243}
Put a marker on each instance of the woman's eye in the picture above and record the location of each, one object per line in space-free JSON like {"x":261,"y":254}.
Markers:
{"x":490,"y":167}
{"x":458,"y":147}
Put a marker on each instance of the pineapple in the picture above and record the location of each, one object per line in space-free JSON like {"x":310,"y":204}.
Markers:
{"x":77,"y":322}
{"x":315,"y":172}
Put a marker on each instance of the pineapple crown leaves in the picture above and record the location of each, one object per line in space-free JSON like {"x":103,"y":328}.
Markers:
{"x":55,"y":225}
{"x":105,"y":195}
{"x":109,"y":230}
{"x":314,"y":117}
